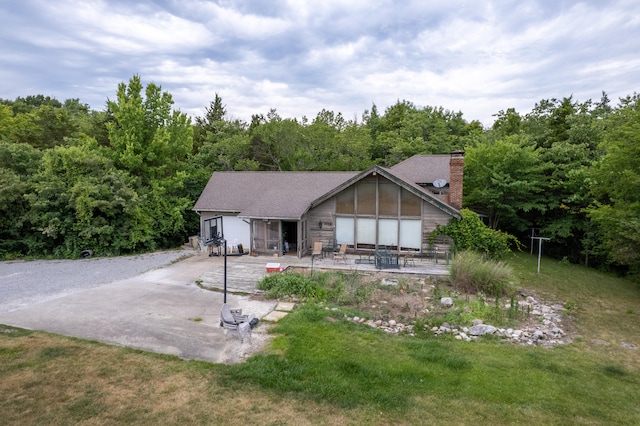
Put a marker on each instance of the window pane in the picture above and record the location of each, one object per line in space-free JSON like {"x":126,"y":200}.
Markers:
{"x":273,"y":231}
{"x":410,"y":204}
{"x":344,"y":230}
{"x":366,"y":231}
{"x":345,"y":202}
{"x":367,"y":198}
{"x":259,"y":231}
{"x":388,"y":232}
{"x":388,"y":199}
{"x":410,"y":234}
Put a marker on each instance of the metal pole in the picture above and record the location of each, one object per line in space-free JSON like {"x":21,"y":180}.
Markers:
{"x":540,"y":249}
{"x":532,"y":244}
{"x":539,"y":252}
{"x":225,"y":271}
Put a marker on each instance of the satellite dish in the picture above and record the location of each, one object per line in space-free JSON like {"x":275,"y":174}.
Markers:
{"x":439,"y":183}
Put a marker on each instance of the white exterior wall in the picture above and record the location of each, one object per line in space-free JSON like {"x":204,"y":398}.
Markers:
{"x":236,"y":231}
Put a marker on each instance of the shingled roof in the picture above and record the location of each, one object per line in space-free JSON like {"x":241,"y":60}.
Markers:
{"x":288,"y":195}
{"x":271,"y":195}
{"x":423,"y":169}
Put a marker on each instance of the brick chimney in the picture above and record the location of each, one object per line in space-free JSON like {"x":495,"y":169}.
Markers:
{"x":456,"y":177}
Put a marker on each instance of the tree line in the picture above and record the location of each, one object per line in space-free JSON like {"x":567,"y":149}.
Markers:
{"x":124,"y":179}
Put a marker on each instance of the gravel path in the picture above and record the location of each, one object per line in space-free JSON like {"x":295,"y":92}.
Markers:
{"x":24,"y":283}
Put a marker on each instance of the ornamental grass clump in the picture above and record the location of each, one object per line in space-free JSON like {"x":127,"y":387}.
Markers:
{"x":472,"y":273}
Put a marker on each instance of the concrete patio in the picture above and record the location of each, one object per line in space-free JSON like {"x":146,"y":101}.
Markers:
{"x":243,"y":272}
{"x":162,"y":310}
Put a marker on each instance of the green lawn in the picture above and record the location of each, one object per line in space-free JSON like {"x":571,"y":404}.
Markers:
{"x":324,"y":370}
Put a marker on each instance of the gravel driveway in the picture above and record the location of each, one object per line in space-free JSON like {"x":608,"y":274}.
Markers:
{"x":148,"y":302}
{"x":24,"y":283}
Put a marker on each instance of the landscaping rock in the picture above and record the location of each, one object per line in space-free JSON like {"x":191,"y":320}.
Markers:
{"x":482,"y":329}
{"x":446,"y":301}
{"x":537,"y":335}
{"x":544,"y":328}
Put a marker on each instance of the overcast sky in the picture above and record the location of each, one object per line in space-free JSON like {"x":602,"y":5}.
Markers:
{"x":477,"y":57}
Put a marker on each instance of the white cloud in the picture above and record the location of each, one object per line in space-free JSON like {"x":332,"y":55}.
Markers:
{"x":301,"y":57}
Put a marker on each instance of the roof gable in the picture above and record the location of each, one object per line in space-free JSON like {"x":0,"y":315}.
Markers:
{"x":398,"y":179}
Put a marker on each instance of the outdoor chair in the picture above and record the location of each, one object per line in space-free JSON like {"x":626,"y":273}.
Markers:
{"x":234,"y":322}
{"x":317,"y":250}
{"x":409,"y":260}
{"x":330,"y":247}
{"x":341,"y":255}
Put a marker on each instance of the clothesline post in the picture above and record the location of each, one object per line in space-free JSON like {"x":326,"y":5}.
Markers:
{"x":539,"y":248}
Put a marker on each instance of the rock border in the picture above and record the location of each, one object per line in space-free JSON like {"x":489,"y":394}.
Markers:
{"x":544,"y":329}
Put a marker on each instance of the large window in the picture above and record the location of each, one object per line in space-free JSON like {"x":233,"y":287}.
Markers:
{"x":410,"y":204}
{"x":345,"y":202}
{"x":377,"y":212}
{"x":366,"y":198}
{"x":388,"y":199}
{"x":366,"y":232}
{"x":410,"y":234}
{"x":345,"y":230}
{"x":388,"y":233}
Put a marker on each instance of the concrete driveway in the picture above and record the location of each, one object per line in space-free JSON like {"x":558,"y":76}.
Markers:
{"x":162,"y":311}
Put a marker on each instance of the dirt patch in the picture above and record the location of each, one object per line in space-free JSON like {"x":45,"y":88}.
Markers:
{"x":260,"y":337}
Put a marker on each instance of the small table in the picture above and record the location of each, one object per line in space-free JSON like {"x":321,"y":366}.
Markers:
{"x":387,"y":260}
{"x":435,"y":251}
{"x":368,"y":259}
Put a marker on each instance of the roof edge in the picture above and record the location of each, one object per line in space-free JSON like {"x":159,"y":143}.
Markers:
{"x":387,"y":173}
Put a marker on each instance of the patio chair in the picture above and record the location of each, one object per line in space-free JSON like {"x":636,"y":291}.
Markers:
{"x":234,"y":322}
{"x":330,"y":247}
{"x":317,"y":250}
{"x":409,"y":260}
{"x":341,"y":255}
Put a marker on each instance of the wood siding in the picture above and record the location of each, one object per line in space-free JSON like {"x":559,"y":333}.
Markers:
{"x":431,"y":217}
{"x":325,"y":213}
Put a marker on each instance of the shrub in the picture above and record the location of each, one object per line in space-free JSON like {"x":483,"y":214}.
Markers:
{"x":338,"y":287}
{"x":290,"y":283}
{"x":469,"y":233}
{"x":471,"y":273}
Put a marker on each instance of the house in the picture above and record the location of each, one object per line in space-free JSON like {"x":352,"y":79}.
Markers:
{"x":396,"y":207}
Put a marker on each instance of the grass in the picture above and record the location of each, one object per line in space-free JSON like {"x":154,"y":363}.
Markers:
{"x":351,"y":367}
{"x":599,"y":302}
{"x":323,"y":370}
